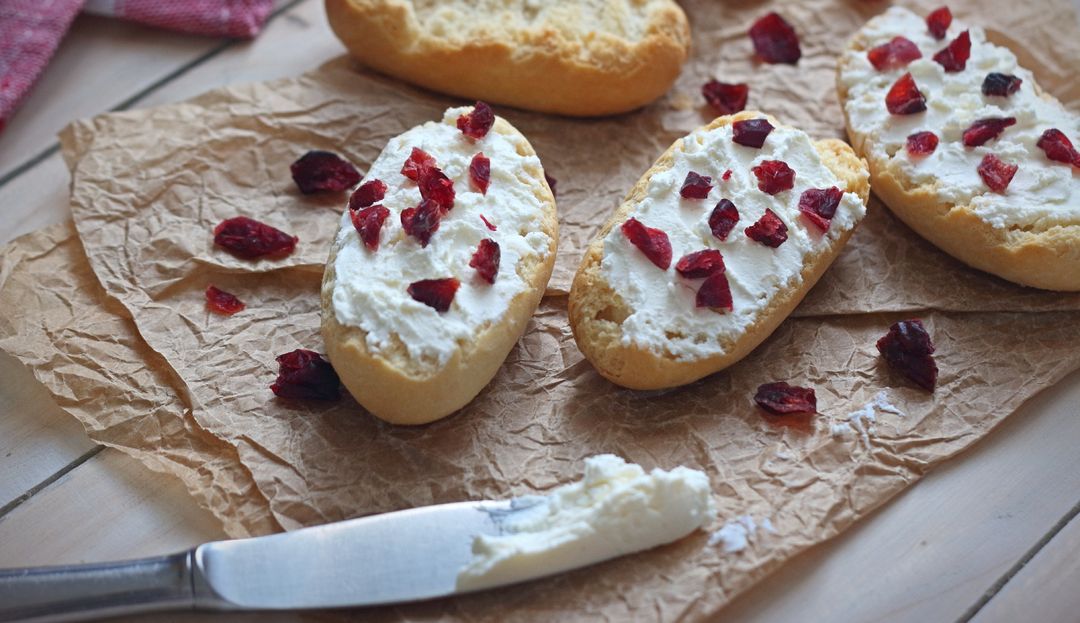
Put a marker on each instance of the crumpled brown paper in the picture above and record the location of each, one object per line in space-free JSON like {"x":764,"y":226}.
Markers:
{"x":148,"y":186}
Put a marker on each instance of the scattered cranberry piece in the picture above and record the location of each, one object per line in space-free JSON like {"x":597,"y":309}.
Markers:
{"x":368,"y":194}
{"x":726,"y":176}
{"x":652,"y":242}
{"x":222,"y":302}
{"x":904,"y":98}
{"x":476,"y":124}
{"x":714,"y":293}
{"x":774,"y":176}
{"x":435,"y":293}
{"x":938,"y":22}
{"x":696,"y":186}
{"x":751,"y":132}
{"x":922,"y":143}
{"x":819,"y":205}
{"x":488,"y":223}
{"x":306,"y":375}
{"x":725,"y":98}
{"x":775,"y":40}
{"x":486,"y":260}
{"x":996,"y":173}
{"x":1058,"y":147}
{"x":368,"y":223}
{"x":907,"y":349}
{"x":422,"y":221}
{"x":551,"y":182}
{"x":723,"y":219}
{"x":480,"y":172}
{"x":783,"y":399}
{"x":418,"y":161}
{"x":1002,"y":85}
{"x":247,"y":238}
{"x":954,"y":57}
{"x":769,"y":230}
{"x":318,"y":171}
{"x":984,"y":130}
{"x":700,"y":264}
{"x":435,"y":186}
{"x":894,"y":54}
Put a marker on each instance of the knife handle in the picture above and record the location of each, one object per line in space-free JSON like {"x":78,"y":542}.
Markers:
{"x":79,"y":592}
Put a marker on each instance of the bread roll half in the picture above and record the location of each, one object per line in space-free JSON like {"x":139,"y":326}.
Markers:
{"x":639,"y":324}
{"x":1029,"y":232}
{"x":572,"y":57}
{"x":401,"y":358}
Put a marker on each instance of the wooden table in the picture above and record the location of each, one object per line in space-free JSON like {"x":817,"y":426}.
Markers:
{"x":991,"y":536}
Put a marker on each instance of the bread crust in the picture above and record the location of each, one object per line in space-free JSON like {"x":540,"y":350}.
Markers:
{"x":596,"y":310}
{"x":536,"y":69}
{"x":400,"y":393}
{"x":1047,"y":258}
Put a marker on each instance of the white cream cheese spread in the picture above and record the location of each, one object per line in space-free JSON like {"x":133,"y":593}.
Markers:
{"x":1042,"y":194}
{"x":370,"y":291}
{"x":665,"y":319}
{"x":617,"y":509}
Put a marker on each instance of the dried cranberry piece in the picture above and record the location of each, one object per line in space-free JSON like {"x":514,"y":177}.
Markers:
{"x":819,"y":205}
{"x":775,"y":40}
{"x":700,"y":264}
{"x":954,"y":57}
{"x":904,"y":98}
{"x":922,"y":143}
{"x":723,"y":219}
{"x":783,"y":399}
{"x":769,"y":230}
{"x":488,"y":223}
{"x":306,"y":375}
{"x":726,"y":176}
{"x":368,"y":223}
{"x":1002,"y":85}
{"x":247,"y":238}
{"x":422,"y":221}
{"x":938,"y":22}
{"x":417,"y":162}
{"x":696,"y":186}
{"x":892,"y":55}
{"x":435,"y":186}
{"x":983,"y":130}
{"x":907,"y":349}
{"x":996,"y":173}
{"x":551,"y":182}
{"x":476,"y":124}
{"x":486,"y":260}
{"x":774,"y":176}
{"x":751,"y":132}
{"x":1058,"y":147}
{"x":368,"y":194}
{"x":435,"y":293}
{"x":725,"y":98}
{"x":319,"y":171}
{"x":714,"y":293}
{"x":223,"y":302}
{"x":480,"y":172}
{"x":652,"y":242}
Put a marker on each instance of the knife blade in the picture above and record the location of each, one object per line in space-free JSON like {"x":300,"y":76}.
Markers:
{"x":407,"y":555}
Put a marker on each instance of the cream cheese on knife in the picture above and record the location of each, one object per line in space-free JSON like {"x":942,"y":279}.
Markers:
{"x":616,"y":509}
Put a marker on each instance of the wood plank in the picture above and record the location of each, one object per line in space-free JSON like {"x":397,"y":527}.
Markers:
{"x":1044,"y":589}
{"x":97,"y":51}
{"x":933,"y":551}
{"x":37,"y":438}
{"x":34,"y":199}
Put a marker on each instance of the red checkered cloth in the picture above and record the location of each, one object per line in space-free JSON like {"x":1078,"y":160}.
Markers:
{"x":30,"y":30}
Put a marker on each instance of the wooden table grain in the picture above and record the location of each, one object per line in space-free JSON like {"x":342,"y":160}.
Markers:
{"x":990,"y":536}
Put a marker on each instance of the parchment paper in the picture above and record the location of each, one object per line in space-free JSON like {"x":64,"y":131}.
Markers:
{"x":148,"y":186}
